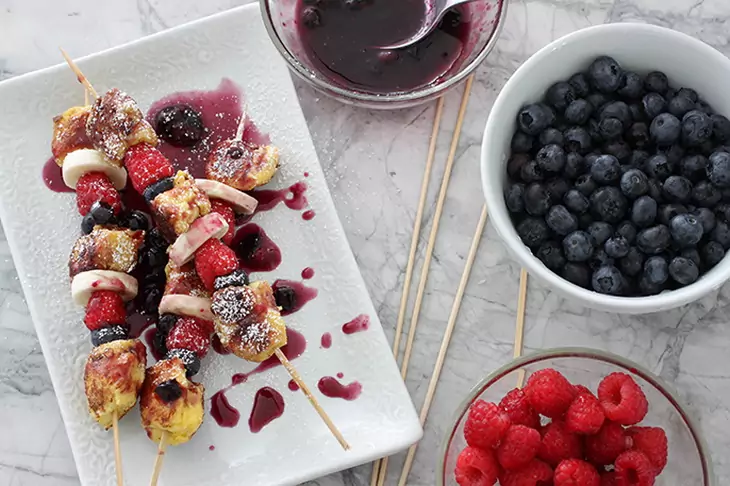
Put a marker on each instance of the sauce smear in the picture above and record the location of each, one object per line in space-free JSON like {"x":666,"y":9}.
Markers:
{"x":358,"y":324}
{"x":330,"y":387}
{"x":268,"y":405}
{"x":225,"y":414}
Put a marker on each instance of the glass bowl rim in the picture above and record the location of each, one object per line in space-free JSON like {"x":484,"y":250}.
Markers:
{"x":423,"y":93}
{"x":587,"y":353}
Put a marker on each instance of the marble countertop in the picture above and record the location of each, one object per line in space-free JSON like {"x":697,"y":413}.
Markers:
{"x":374,"y":163}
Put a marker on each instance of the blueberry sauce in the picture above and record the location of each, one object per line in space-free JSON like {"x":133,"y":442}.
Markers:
{"x":293,"y":197}
{"x":255,"y":250}
{"x":211,"y":448}
{"x":326,"y":341}
{"x":268,"y":405}
{"x":215,"y":342}
{"x":149,"y":338}
{"x":358,"y":324}
{"x":138,"y":322}
{"x":340,"y":41}
{"x":53,"y":178}
{"x":307,"y":273}
{"x":308,"y":215}
{"x":340,"y":375}
{"x":330,"y":387}
{"x":293,"y":385}
{"x":295,"y":346}
{"x":298,"y":294}
{"x":225,"y":414}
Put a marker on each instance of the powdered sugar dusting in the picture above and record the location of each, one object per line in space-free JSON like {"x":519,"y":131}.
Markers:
{"x":233,"y":304}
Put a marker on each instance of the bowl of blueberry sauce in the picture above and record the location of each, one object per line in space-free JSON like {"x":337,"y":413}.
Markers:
{"x":335,"y":45}
{"x":606,"y":167}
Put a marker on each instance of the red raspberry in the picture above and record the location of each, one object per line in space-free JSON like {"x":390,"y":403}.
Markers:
{"x":93,"y":187}
{"x":585,"y":415}
{"x":519,"y":410}
{"x":188,"y":333}
{"x":207,"y":326}
{"x":574,"y":472}
{"x":559,"y":444}
{"x":604,"y":447}
{"x":550,"y":394}
{"x":609,"y":479}
{"x":652,"y":441}
{"x":486,"y":425}
{"x":214,"y":259}
{"x":476,"y":467}
{"x":518,"y":447}
{"x":536,"y":473}
{"x":225,"y":210}
{"x":622,"y":399}
{"x":146,"y":165}
{"x":105,"y":307}
{"x":633,"y":468}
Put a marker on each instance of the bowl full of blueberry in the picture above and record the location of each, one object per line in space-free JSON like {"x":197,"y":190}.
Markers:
{"x":610,"y":180}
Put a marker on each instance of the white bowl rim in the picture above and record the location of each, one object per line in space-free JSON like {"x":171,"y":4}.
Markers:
{"x":627,"y":305}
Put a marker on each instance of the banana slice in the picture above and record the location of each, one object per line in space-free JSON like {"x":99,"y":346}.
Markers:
{"x":86,"y":283}
{"x":241,"y":202}
{"x":83,"y":161}
{"x":186,"y":305}
{"x":212,"y":225}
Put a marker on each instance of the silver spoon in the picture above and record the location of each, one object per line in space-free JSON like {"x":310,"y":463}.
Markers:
{"x":434,"y":13}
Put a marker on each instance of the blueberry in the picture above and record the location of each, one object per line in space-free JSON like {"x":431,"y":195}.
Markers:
{"x":618,"y":110}
{"x":648,"y":288}
{"x":578,"y":246}
{"x":87,"y":224}
{"x":574,"y":165}
{"x":674,"y":154}
{"x":694,"y":167}
{"x":631,"y":85}
{"x":656,"y":192}
{"x":108,"y":334}
{"x":560,"y":220}
{"x":705,"y":194}
{"x":721,"y":234}
{"x":189,"y":359}
{"x":627,"y":230}
{"x":311,"y":17}
{"x":585,"y":184}
{"x":521,"y":142}
{"x":605,"y":74}
{"x":597,"y":100}
{"x":180,"y":125}
{"x":720,"y":128}
{"x":159,"y":343}
{"x":619,"y":149}
{"x":534,"y":118}
{"x":168,"y":391}
{"x":654,"y":240}
{"x":600,"y":259}
{"x":712,"y":253}
{"x":606,"y":169}
{"x":354,"y":4}
{"x":656,"y":270}
{"x":610,"y":128}
{"x":632,"y":263}
{"x":667,"y":212}
{"x":654,"y":105}
{"x":658,"y":167}
{"x":514,"y":198}
{"x":551,"y":158}
{"x":560,"y":95}
{"x":696,"y":128}
{"x":665,"y":129}
{"x":609,"y":204}
{"x":691,"y":254}
{"x":537,"y":199}
{"x":577,"y":139}
{"x":101,"y":212}
{"x":637,"y":111}
{"x":638,"y":158}
{"x":590,"y":159}
{"x":154,"y":239}
{"x":689,"y":93}
{"x":644,"y":211}
{"x":578,"y":112}
{"x":707,"y":218}
{"x":718,"y":169}
{"x":617,"y":247}
{"x":634,"y":183}
{"x":156,"y":257}
{"x":677,"y":189}
{"x":638,"y":135}
{"x":551,"y":254}
{"x":656,"y":82}
{"x":166,"y":322}
{"x":533,"y":231}
{"x":531,"y":172}
{"x":237,"y":278}
{"x":580,"y":85}
{"x":576,"y":202}
{"x":152,"y":297}
{"x":577,"y":273}
{"x":683,"y":271}
{"x":679,"y":105}
{"x":557,"y":187}
{"x":285,"y":297}
{"x":607,"y":280}
{"x":585,"y":220}
{"x":157,"y":188}
{"x":137,"y":220}
{"x":600,"y":231}
{"x":551,"y":136}
{"x":594,"y":130}
{"x":515,"y":164}
{"x":704,"y":107}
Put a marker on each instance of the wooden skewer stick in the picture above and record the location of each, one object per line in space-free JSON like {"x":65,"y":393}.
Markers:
{"x":323,"y":415}
{"x":520,"y":325}
{"x":429,"y":248}
{"x":446,"y":340}
{"x":117,"y":450}
{"x":161,"y":447}
{"x":414,"y":246}
{"x":241,"y":122}
{"x":86,"y":98}
{"x":79,"y":75}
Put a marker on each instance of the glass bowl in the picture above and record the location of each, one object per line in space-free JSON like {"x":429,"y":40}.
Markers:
{"x":689,"y":458}
{"x":486,"y":16}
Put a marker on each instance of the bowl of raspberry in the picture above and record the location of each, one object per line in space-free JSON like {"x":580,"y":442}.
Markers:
{"x":583,"y":417}
{"x":606,"y":167}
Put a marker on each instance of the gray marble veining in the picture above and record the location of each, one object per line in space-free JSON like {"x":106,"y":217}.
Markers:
{"x":374,"y":163}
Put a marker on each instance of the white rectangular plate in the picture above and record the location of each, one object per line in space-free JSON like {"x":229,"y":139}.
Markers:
{"x":41,"y":227}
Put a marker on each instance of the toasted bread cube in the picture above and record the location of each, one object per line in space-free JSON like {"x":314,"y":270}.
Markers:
{"x":242,"y":165}
{"x":69,"y":132}
{"x":106,"y":248}
{"x":175,"y":210}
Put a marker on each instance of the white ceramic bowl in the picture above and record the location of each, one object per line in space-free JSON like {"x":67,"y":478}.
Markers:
{"x":642,"y":48}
